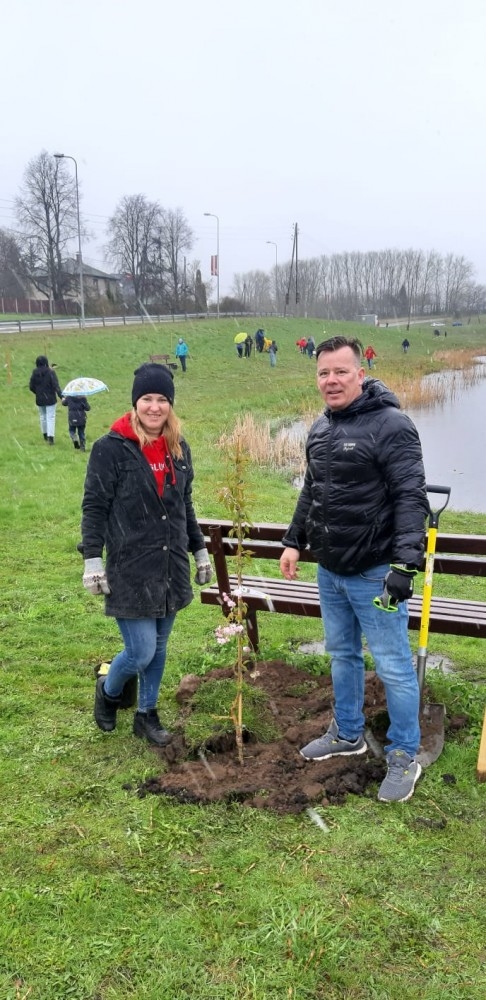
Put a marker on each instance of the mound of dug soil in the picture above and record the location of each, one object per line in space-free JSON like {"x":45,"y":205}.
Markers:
{"x":274,"y":775}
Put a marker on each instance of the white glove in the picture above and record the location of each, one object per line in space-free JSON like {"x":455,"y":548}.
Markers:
{"x":94,"y":577}
{"x":204,"y":570}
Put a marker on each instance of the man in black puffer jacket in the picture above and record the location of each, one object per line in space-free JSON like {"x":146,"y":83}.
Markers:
{"x":362,"y":512}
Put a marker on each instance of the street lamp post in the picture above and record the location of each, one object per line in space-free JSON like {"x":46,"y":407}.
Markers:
{"x":213,"y":216}
{"x":273,"y":244}
{"x":65,"y":156}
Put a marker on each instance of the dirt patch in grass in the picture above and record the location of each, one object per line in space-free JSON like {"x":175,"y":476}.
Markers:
{"x":274,"y":775}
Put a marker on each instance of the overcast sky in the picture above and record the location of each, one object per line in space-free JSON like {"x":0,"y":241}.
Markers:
{"x":361,"y":120}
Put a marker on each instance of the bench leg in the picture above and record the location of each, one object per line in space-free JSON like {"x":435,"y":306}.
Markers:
{"x":481,"y":769}
{"x":252,"y":629}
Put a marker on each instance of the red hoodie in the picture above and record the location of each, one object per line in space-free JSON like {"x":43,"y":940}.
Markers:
{"x":157,"y":453}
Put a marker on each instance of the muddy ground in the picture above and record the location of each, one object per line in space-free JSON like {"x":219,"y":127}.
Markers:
{"x":274,"y":775}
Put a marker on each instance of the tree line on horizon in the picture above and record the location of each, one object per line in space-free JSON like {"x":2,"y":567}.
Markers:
{"x":388,"y":282}
{"x":149,"y":246}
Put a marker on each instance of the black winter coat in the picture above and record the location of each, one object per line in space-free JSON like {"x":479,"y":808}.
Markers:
{"x":44,"y":383}
{"x":364,"y":499}
{"x":146,"y":537}
{"x":78,"y":407}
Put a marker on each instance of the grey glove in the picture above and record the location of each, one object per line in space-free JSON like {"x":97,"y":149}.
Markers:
{"x":204,"y":570}
{"x":94,"y":576}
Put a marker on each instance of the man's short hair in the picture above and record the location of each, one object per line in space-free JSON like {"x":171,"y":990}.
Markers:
{"x":335,"y":344}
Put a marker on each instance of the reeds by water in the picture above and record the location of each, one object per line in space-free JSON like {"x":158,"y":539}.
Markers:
{"x":281,"y":445}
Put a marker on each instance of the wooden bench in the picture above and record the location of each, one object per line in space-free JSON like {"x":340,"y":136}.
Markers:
{"x":165,"y":360}
{"x":457,"y":555}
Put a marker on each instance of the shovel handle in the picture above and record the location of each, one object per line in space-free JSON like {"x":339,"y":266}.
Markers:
{"x":434,"y":514}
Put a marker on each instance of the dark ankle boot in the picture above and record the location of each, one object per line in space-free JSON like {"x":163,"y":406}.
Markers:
{"x":128,"y":697}
{"x":76,"y":445}
{"x":147,"y":725}
{"x":105,"y":708}
{"x":45,"y":437}
{"x":50,"y":440}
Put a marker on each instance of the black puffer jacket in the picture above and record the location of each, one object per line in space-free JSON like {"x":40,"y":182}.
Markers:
{"x":44,"y":383}
{"x":364,"y":500}
{"x":78,"y":407}
{"x":146,"y":537}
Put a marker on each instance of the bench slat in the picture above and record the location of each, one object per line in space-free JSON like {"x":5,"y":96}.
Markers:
{"x":462,"y":556}
{"x":447,"y":615}
{"x":469,"y":545}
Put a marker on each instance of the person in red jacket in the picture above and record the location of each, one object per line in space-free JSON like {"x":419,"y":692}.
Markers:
{"x":137,"y":506}
{"x":369,"y":354}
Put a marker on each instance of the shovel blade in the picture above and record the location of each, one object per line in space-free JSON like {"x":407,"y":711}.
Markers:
{"x":432,"y":734}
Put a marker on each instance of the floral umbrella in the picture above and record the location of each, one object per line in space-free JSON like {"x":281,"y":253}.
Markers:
{"x":84,"y":387}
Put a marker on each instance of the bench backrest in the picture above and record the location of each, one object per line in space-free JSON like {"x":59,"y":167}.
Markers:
{"x":459,"y":555}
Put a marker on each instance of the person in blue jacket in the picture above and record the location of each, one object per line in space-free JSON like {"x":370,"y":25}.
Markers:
{"x":182,"y":352}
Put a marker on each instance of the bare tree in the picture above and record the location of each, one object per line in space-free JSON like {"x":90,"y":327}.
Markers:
{"x":133,"y":231}
{"x":174,"y":239}
{"x":255,"y":290}
{"x":47,"y":212}
{"x":13,"y":276}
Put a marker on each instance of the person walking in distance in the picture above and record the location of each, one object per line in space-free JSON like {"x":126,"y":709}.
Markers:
{"x":137,"y":505}
{"x":362,"y":511}
{"x":44,"y":384}
{"x":272,"y":350}
{"x":182,"y":353}
{"x":370,"y":354}
{"x":78,"y":407}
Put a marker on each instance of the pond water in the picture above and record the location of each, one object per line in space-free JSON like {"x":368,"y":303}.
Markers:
{"x":452,"y":436}
{"x":453,"y":439}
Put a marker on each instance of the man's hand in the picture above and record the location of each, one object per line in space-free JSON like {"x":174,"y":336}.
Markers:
{"x":288,"y":563}
{"x":94,"y":577}
{"x":204,"y":570}
{"x":398,"y":582}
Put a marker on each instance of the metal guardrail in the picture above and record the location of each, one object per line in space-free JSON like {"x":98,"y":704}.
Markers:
{"x":32,"y":325}
{"x":26,"y":325}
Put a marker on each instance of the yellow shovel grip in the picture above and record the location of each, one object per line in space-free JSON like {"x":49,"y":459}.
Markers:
{"x":427,"y":592}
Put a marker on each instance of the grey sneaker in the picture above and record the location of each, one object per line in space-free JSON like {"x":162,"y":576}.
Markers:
{"x":401,"y":778}
{"x":333,"y":745}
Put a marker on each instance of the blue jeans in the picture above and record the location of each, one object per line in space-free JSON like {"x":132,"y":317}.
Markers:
{"x":348,"y":613}
{"x":144,"y":654}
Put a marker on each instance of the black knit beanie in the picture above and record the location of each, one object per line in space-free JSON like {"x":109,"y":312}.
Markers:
{"x":153,"y":378}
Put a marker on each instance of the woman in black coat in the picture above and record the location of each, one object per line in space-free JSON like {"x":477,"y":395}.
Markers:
{"x":137,"y":506}
{"x":44,"y":383}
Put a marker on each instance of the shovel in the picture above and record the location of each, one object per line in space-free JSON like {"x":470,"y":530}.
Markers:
{"x":432,"y":714}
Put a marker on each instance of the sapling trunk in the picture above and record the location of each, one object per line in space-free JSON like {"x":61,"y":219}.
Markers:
{"x":235,"y":496}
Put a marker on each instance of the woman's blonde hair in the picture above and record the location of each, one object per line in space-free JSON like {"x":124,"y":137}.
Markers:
{"x":171,"y":432}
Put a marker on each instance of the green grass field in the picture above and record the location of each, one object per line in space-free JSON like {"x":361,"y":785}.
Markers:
{"x":106,"y":896}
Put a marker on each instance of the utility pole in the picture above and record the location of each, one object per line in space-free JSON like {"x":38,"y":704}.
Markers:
{"x":296,"y":237}
{"x":294,"y":253}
